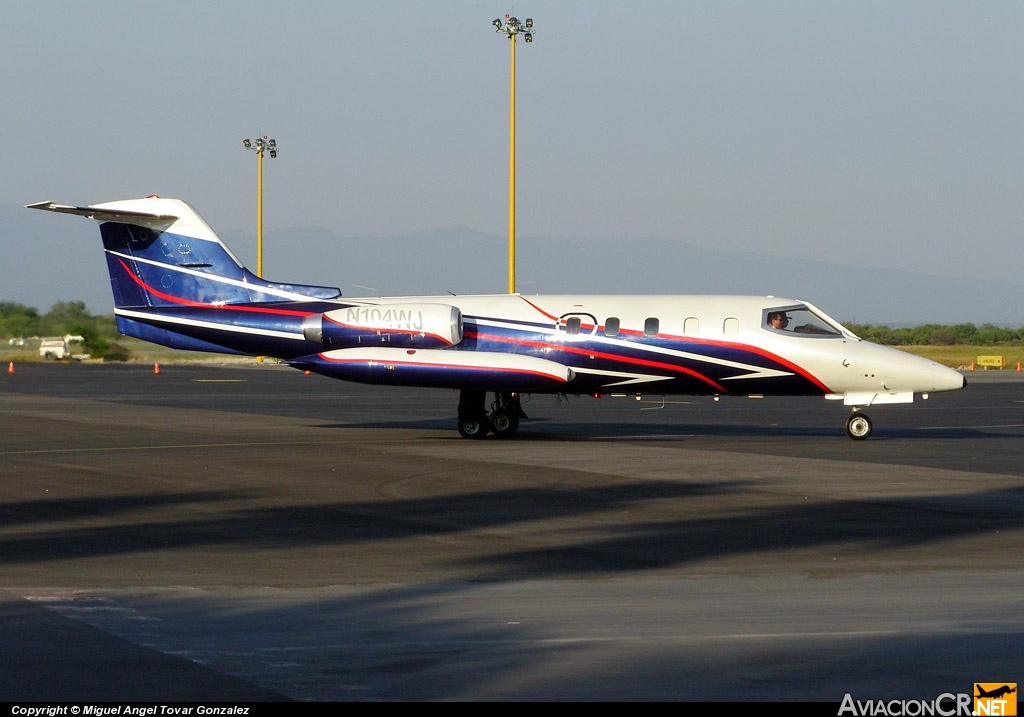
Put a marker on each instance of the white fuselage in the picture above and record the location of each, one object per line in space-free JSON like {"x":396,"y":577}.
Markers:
{"x":725,"y":337}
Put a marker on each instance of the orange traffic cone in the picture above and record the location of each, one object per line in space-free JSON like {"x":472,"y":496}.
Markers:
{"x":1018,"y":365}
{"x":972,"y":365}
{"x":10,"y":367}
{"x":156,"y":368}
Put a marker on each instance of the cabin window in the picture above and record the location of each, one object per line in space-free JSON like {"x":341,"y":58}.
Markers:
{"x":691,"y":327}
{"x":611,"y":326}
{"x":799,"y":320}
{"x":573,"y":324}
{"x":731,"y":326}
{"x":651,"y":327}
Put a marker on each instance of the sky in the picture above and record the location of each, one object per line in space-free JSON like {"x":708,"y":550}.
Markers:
{"x":873,"y":134}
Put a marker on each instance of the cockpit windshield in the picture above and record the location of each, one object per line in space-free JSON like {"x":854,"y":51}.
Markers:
{"x":799,"y":320}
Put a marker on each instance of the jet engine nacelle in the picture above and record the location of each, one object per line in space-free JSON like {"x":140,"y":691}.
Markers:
{"x":399,"y":325}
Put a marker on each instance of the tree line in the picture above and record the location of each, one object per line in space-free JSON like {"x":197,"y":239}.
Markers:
{"x":940,"y":335}
{"x":99,"y":333}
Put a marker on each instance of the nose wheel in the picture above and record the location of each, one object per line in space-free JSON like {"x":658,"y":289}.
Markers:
{"x":858,"y":426}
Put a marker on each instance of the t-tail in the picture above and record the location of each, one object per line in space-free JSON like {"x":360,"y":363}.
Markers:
{"x":175,"y":283}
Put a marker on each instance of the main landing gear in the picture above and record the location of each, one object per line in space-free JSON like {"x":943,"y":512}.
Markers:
{"x":858,"y":426}
{"x":474,"y":421}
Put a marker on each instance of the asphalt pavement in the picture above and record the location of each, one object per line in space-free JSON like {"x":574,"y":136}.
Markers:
{"x":250,"y":533}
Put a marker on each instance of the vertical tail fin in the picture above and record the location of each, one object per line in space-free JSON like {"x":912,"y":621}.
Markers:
{"x":175,"y":283}
{"x":160,"y":253}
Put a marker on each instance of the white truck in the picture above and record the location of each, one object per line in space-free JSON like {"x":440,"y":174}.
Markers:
{"x":54,"y":349}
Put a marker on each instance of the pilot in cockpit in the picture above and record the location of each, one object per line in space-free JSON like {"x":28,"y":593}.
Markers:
{"x":778,"y":320}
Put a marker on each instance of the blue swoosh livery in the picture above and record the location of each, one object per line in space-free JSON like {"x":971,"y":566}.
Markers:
{"x":175,"y":283}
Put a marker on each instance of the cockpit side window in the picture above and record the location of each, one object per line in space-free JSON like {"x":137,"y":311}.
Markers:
{"x":798,"y":320}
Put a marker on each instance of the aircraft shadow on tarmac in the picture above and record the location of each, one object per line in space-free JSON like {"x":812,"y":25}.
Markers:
{"x":544,"y":429}
{"x":897,"y":524}
{"x":246,"y":529}
{"x":254,"y":525}
{"x":44,"y":510}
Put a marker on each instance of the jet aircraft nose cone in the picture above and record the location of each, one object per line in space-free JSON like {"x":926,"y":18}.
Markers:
{"x":947,"y":379}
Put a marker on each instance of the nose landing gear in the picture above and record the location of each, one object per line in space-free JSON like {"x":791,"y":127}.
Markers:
{"x":858,"y":426}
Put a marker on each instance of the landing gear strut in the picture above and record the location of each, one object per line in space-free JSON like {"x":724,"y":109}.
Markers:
{"x":858,"y":426}
{"x":474,"y":422}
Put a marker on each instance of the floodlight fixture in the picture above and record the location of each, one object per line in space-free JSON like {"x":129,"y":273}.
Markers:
{"x":513,"y":26}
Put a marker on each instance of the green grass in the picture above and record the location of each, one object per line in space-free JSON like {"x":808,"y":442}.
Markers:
{"x":963,"y":356}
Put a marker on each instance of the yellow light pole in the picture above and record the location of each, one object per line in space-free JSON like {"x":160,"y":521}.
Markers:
{"x":259,"y":146}
{"x":512,"y":27}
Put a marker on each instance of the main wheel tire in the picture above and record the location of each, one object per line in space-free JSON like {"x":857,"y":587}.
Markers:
{"x":858,"y":426}
{"x":473,"y":427}
{"x":504,"y":423}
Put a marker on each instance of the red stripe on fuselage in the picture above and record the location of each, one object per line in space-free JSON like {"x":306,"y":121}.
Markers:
{"x":754,"y":350}
{"x":612,"y":357}
{"x":540,"y":310}
{"x":708,"y":342}
{"x":200,"y":305}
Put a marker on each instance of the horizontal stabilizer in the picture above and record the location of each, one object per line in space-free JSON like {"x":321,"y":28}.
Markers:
{"x":101,"y":214}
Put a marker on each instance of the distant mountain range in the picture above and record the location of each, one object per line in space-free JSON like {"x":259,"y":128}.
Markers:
{"x":48,"y":259}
